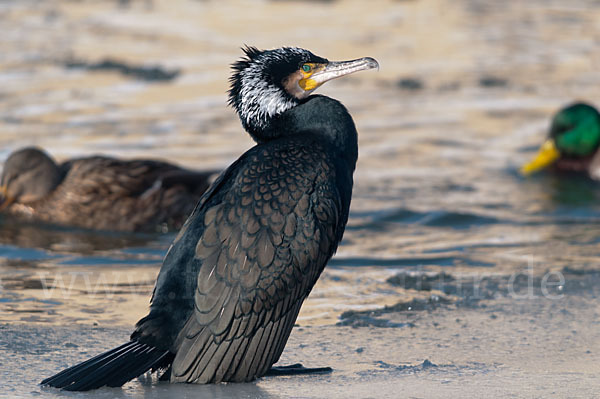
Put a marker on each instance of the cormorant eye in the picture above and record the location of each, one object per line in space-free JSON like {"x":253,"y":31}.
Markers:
{"x":306,"y":68}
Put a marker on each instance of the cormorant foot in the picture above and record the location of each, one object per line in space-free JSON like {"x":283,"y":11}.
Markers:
{"x":294,"y":369}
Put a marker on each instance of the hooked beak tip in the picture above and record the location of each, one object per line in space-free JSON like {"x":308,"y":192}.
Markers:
{"x":371,"y":63}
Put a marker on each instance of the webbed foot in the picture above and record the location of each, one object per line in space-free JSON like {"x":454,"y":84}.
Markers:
{"x":295,"y":369}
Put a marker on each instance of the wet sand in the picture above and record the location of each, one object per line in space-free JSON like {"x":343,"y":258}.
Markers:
{"x":504,"y":348}
{"x":428,"y":295}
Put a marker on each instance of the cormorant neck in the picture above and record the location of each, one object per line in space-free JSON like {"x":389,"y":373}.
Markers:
{"x":258,"y":112}
{"x":321,"y":117}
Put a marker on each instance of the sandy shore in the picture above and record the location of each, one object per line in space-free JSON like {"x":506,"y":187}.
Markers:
{"x":504,"y":348}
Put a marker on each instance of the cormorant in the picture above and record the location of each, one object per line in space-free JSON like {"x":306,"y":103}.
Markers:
{"x":99,"y":192}
{"x":233,"y":281}
{"x":573,"y":143}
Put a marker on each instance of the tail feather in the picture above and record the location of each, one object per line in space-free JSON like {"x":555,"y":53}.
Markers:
{"x":113,"y":368}
{"x":59,"y":380}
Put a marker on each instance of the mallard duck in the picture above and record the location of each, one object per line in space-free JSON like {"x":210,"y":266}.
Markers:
{"x":233,"y":282}
{"x":99,"y":192}
{"x":573,"y":142}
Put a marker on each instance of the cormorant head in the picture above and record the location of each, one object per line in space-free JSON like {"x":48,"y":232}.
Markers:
{"x":28,"y":175}
{"x":574,"y":134}
{"x":266,"y":83}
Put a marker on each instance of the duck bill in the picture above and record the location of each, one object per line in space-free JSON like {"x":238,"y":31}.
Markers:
{"x":546,"y":156}
{"x":337,"y":69}
{"x":5,"y":199}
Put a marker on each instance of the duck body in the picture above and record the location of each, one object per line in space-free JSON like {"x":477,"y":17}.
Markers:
{"x":105,"y":193}
{"x":589,"y":165}
{"x":232,"y":284}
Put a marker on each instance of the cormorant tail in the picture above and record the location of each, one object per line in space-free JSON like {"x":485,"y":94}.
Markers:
{"x":113,"y":368}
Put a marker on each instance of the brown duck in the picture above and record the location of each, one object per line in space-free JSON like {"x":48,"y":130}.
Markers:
{"x":99,"y":192}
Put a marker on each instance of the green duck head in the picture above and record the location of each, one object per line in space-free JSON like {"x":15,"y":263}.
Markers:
{"x":29,"y":175}
{"x":574,"y":134}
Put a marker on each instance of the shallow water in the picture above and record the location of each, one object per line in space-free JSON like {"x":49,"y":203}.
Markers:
{"x":436,"y":188}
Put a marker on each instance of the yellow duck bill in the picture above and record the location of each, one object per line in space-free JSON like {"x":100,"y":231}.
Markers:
{"x":547,"y":154}
{"x":5,"y":199}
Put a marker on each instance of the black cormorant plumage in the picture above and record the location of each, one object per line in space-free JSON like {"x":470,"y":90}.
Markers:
{"x":233,"y":281}
{"x":98,"y":192}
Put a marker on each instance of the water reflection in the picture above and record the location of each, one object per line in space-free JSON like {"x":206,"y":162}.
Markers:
{"x":24,"y":241}
{"x":571,"y":190}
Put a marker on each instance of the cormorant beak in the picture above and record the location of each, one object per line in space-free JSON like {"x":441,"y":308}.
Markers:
{"x":547,"y":154}
{"x":5,"y":199}
{"x":336,"y":69}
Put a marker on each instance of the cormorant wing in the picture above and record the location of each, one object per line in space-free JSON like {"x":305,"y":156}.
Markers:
{"x":265,"y":240}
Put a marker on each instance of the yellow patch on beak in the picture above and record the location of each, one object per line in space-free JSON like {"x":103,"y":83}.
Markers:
{"x":5,"y":199}
{"x":547,"y":154}
{"x":307,"y":70}
{"x":308,"y":84}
